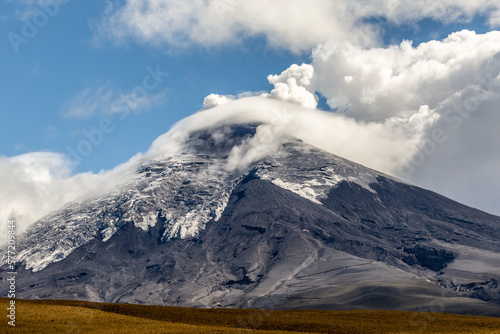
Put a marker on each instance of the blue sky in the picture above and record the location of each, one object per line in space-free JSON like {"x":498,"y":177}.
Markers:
{"x":87,"y":62}
{"x":61,"y":61}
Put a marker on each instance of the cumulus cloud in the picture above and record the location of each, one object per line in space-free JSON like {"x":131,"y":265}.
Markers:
{"x":292,"y":24}
{"x":214,"y":100}
{"x":377,"y":83}
{"x":294,"y":85}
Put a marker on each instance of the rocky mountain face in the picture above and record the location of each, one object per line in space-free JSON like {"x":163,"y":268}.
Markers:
{"x":301,"y":228}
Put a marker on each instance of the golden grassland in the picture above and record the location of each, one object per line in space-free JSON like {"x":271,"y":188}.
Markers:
{"x":64,"y":316}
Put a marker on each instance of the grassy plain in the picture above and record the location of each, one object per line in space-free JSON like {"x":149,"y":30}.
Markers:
{"x":63,"y":316}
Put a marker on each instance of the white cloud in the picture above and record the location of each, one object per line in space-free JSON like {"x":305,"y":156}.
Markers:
{"x":464,"y":164}
{"x":35,"y":184}
{"x":292,"y":24}
{"x":89,"y":101}
{"x":377,"y":83}
{"x":214,"y":100}
{"x":366,"y":143}
{"x":213,"y":23}
{"x":136,"y":102}
{"x":294,"y":85}
{"x":456,"y":79}
{"x":105,"y":99}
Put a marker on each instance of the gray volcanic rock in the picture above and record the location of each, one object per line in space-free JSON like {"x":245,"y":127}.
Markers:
{"x":299,"y":229}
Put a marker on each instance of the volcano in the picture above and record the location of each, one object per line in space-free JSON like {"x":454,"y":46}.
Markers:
{"x":299,"y":228}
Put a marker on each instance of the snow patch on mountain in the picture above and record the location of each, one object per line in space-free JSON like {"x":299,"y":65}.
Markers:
{"x":303,"y":169}
{"x":184,"y":192}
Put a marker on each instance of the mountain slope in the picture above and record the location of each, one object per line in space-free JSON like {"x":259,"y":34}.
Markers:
{"x":298,"y":229}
